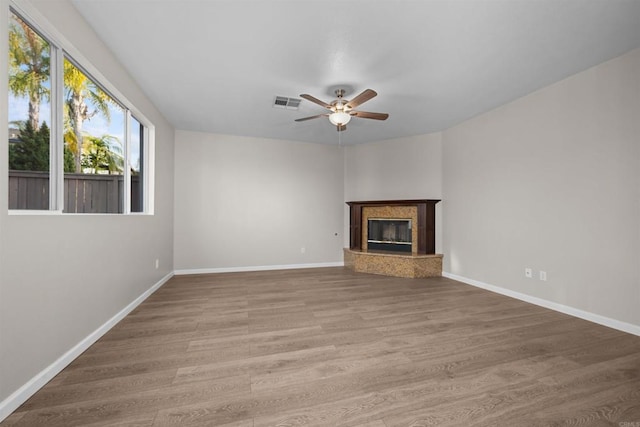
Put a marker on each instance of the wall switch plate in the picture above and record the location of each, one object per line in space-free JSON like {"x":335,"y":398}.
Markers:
{"x":528,"y":273}
{"x":303,"y":250}
{"x":543,"y":276}
{"x":157,"y":263}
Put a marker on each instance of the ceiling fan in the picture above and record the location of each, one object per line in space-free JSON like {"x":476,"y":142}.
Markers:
{"x":342,"y":110}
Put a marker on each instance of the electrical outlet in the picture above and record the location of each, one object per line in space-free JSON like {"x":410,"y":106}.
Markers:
{"x":528,"y":273}
{"x":543,"y":276}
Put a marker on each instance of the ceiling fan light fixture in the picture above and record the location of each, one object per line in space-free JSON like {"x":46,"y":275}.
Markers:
{"x":339,"y":118}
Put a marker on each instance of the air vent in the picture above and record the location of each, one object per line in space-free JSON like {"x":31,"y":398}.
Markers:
{"x":285,"y":102}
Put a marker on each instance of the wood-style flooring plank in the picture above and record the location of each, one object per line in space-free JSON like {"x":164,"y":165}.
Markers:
{"x":121,"y":407}
{"x":257,"y":365}
{"x":330,"y":347}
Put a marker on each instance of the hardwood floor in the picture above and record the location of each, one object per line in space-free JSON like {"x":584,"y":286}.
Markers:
{"x":324,"y":347}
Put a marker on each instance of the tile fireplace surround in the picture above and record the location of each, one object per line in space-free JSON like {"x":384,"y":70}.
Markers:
{"x":422,"y":262}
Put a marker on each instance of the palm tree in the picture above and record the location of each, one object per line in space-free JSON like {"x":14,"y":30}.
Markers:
{"x":80,"y":91}
{"x":103,"y":153}
{"x":29,"y":61}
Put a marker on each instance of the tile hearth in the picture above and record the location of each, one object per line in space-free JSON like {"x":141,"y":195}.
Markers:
{"x":394,"y":264}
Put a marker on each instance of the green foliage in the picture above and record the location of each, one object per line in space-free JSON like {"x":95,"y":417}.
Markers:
{"x":29,"y":76}
{"x":80,"y":93}
{"x":102,"y":154}
{"x":69,"y":160}
{"x":78,"y":89}
{"x":31,"y":153}
{"x":29,"y":66}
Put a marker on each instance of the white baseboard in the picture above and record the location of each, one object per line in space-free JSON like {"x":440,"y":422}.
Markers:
{"x":571,"y":311}
{"x":21,"y":395}
{"x":257,"y":268}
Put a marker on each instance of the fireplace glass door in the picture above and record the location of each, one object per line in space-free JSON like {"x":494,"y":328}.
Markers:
{"x":389,"y":234}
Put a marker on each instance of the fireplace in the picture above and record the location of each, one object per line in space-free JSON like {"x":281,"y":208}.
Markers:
{"x":389,"y":234}
{"x":394,"y":238}
{"x":421,"y":212}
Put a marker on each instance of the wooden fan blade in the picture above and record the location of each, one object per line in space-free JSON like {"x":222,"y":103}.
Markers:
{"x":367,"y":115}
{"x":362,"y":98}
{"x":316,"y":101}
{"x":312,"y":117}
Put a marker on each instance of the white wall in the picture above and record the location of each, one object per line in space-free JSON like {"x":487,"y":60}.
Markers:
{"x":403,"y":168}
{"x":63,"y":276}
{"x":246,"y":202}
{"x":552,"y":182}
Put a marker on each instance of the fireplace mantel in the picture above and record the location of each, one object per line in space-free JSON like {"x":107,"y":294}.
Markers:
{"x":426,"y":222}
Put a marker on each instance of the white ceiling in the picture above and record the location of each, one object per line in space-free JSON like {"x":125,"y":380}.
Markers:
{"x":216,"y":66}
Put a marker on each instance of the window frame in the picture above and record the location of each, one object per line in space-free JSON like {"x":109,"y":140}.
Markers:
{"x":61,"y":48}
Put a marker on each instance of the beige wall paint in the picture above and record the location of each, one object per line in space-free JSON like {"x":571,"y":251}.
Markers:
{"x":403,"y":168}
{"x":251,"y":202}
{"x":63,"y":276}
{"x":552,"y":182}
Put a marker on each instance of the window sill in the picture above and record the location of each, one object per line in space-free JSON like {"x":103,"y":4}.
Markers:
{"x":27,"y":212}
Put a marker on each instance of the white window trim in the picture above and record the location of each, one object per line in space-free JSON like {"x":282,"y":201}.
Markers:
{"x":127,"y":155}
{"x":60,"y":47}
{"x":56,"y":154}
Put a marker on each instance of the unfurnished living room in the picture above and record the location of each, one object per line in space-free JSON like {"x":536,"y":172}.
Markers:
{"x":320,"y":213}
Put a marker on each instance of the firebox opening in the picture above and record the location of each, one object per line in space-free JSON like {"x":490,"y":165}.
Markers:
{"x":389,"y":234}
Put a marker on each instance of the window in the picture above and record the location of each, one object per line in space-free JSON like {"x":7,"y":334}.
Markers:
{"x":94,"y":136}
{"x":29,"y":117}
{"x":136,"y":165}
{"x":74,"y":147}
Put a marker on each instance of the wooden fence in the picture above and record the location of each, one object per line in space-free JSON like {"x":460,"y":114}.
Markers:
{"x":83,"y":193}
